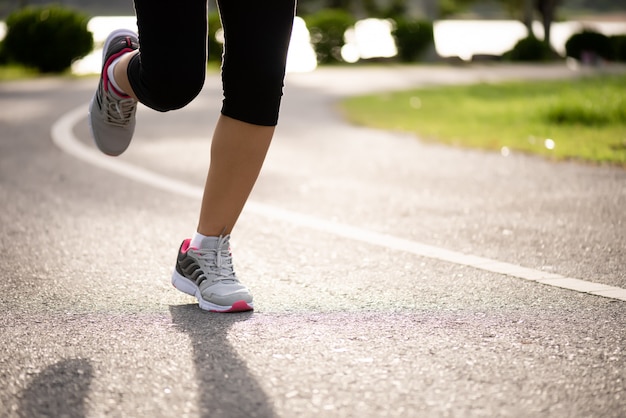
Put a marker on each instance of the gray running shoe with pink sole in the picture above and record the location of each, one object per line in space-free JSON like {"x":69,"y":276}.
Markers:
{"x":111,"y":112}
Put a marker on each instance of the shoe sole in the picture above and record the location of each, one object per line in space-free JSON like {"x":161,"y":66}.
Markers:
{"x":187,"y":286}
{"x":112,"y":35}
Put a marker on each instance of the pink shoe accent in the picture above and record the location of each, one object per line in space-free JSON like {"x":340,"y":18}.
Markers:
{"x":239,"y":306}
{"x":185,"y":246}
{"x":105,"y":74}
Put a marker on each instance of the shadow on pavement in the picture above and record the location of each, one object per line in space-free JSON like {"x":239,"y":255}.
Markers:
{"x":227,"y":389}
{"x":60,"y":390}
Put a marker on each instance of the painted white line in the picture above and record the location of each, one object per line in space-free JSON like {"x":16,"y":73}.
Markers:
{"x":64,"y":138}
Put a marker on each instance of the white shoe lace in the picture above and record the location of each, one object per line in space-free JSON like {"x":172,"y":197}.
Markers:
{"x":217,"y":264}
{"x":119,"y":111}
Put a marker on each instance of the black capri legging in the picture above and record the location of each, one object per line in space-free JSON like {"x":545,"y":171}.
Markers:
{"x":169,"y":71}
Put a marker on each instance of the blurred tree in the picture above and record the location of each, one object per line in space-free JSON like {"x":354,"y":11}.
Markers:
{"x":339,"y":4}
{"x":449,"y":7}
{"x":433,"y":9}
{"x":438,"y":9}
{"x":547,"y":10}
{"x":524,"y":10}
{"x":384,"y":9}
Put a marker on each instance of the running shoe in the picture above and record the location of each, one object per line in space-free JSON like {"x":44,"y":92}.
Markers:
{"x":111,"y":112}
{"x":207,"y":273}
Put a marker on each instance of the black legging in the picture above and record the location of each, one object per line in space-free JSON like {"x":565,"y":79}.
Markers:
{"x":169,"y":71}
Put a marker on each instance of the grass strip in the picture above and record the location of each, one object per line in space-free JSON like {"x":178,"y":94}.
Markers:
{"x":583,"y":119}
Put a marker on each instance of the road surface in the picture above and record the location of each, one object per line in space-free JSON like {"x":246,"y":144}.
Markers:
{"x":392,"y":278}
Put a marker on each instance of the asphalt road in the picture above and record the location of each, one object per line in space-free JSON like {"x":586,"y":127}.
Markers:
{"x":355,"y":245}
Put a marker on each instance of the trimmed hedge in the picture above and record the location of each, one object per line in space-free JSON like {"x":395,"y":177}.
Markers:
{"x":4,"y":59}
{"x":588,"y":42}
{"x":413,"y":38}
{"x":531,"y":49}
{"x":47,"y":38}
{"x":618,"y":47}
{"x":327,"y":28}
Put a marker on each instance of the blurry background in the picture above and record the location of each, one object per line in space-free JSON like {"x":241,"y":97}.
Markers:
{"x":351,"y":31}
{"x":484,"y":9}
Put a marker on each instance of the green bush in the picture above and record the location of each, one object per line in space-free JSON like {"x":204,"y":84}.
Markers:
{"x":588,"y":42}
{"x":412,"y":38}
{"x":530,"y":49}
{"x":618,"y":47}
{"x":327,"y":28}
{"x":4,"y":59}
{"x":215,"y":47}
{"x":47,"y":38}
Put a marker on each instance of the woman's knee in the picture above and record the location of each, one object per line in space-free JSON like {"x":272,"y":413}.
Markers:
{"x":173,"y":94}
{"x":166,"y":90}
{"x":254,"y":98}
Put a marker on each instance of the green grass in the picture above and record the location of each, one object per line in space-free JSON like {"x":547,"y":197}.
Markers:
{"x":584,"y":119}
{"x":11,"y":72}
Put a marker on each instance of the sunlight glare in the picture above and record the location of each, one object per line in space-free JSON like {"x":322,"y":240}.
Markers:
{"x":463,"y":39}
{"x":301,"y":56}
{"x":369,"y":38}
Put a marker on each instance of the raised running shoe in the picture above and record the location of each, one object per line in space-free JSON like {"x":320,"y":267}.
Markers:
{"x":207,"y":273}
{"x":111,"y":112}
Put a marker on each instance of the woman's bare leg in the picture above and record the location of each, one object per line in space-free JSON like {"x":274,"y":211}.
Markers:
{"x":237,"y":154}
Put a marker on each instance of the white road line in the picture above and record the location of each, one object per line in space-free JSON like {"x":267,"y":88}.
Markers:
{"x":64,"y":138}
